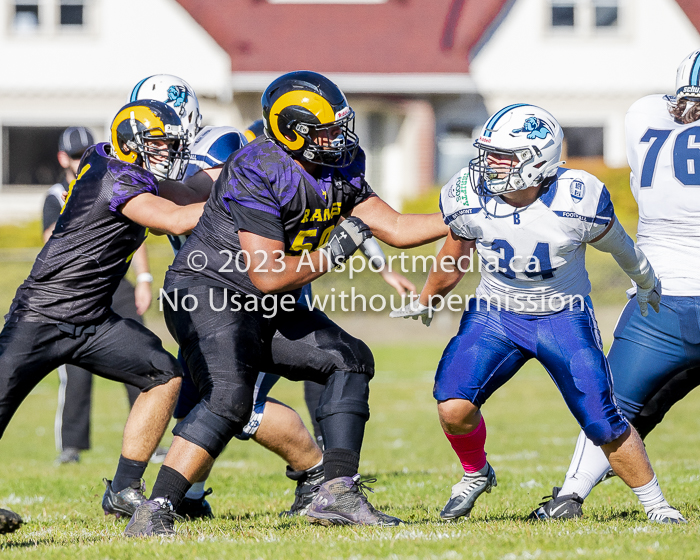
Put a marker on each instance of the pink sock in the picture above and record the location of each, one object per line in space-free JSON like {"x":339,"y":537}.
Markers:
{"x":470,"y":448}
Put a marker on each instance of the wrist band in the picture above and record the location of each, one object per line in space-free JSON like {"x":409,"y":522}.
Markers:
{"x":144,"y":277}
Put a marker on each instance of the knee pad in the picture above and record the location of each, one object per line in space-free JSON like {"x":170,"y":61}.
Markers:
{"x":604,"y":432}
{"x":345,"y":392}
{"x":207,"y":430}
{"x":360,"y":358}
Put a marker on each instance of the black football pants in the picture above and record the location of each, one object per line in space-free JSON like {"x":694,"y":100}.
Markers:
{"x":225,"y":351}
{"x":72,"y":425}
{"x":116,"y":348}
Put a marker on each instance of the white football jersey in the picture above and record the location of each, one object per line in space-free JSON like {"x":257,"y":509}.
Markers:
{"x":211,"y":147}
{"x":532,"y":261}
{"x":665,"y":160}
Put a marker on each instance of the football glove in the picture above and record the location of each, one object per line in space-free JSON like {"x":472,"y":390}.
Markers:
{"x":646,"y":297}
{"x":414,"y":309}
{"x":344,"y":240}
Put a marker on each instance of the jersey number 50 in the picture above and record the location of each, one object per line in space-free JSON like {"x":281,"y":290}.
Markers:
{"x":686,"y":156}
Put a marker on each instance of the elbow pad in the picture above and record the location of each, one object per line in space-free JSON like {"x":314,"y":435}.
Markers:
{"x":371,"y":249}
{"x":626,"y":253}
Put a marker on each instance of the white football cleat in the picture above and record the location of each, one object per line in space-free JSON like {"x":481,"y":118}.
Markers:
{"x":664,"y":513}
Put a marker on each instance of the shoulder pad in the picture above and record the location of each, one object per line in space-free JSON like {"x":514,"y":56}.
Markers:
{"x":212,"y":146}
{"x":650,"y":104}
{"x":456,"y":194}
{"x":580,"y":191}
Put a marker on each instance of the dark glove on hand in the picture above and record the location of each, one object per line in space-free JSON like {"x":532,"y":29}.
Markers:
{"x":344,"y":240}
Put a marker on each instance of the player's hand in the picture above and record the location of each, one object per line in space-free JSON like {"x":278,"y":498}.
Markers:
{"x":142,"y":297}
{"x":646,"y":297}
{"x":399,"y":282}
{"x":345,"y":238}
{"x":414,"y":310}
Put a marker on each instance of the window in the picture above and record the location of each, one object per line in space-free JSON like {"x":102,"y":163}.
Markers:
{"x":605,"y":13}
{"x":583,"y":141}
{"x":26,"y":15}
{"x":71,"y":12}
{"x":31,"y":155}
{"x":562,"y":13}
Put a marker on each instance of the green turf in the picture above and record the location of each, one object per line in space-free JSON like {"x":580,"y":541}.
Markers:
{"x":531,"y":437}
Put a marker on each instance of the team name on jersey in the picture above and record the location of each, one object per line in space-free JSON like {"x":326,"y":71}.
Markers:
{"x":321,"y":215}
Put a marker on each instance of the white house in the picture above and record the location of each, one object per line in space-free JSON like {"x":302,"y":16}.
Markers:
{"x":422,"y":75}
{"x":74,"y":62}
{"x":586,"y":61}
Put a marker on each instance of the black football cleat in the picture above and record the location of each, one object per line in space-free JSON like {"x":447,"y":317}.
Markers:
{"x":9,"y":521}
{"x":191,"y":508}
{"x":308,"y":483}
{"x":342,"y":501}
{"x":153,"y":518}
{"x":558,"y":507}
{"x":124,"y":502}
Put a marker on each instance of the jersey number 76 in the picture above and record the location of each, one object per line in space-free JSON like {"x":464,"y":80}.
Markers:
{"x":686,"y":156}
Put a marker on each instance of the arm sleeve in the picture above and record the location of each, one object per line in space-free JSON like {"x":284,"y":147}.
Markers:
{"x":626,"y":253}
{"x":51,"y":212}
{"x":603,"y":214}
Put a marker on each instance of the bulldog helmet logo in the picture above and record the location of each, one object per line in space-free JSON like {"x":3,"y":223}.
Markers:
{"x":177,"y":95}
{"x":536,"y":128}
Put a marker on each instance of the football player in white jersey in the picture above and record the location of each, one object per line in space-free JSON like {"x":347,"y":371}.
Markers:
{"x":530,"y":221}
{"x":655,"y":359}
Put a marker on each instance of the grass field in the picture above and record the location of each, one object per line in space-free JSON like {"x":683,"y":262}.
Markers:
{"x":531,"y":438}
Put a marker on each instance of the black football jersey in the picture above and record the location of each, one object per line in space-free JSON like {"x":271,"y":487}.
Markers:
{"x":262,"y":190}
{"x":76,"y":273}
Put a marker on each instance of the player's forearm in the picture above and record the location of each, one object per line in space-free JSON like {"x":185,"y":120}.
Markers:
{"x":140,"y":261}
{"x":48,"y":231}
{"x":411,"y":230}
{"x":449,"y":269}
{"x":195,"y":189}
{"x":275,"y":274}
{"x":439,"y":284}
{"x":178,"y":220}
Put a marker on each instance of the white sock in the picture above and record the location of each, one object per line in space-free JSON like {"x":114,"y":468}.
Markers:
{"x":650,"y":495}
{"x":196,"y":491}
{"x":588,"y":467}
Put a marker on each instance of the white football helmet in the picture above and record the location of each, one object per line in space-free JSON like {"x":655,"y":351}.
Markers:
{"x":528,"y":134}
{"x":174,"y":92}
{"x":688,"y":77}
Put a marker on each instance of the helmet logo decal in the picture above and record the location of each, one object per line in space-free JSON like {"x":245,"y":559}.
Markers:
{"x":177,"y":95}
{"x":344,"y":112}
{"x":535,"y":128}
